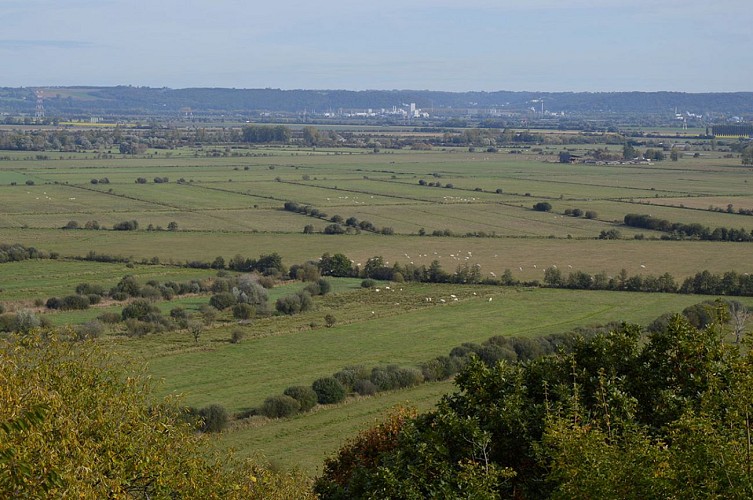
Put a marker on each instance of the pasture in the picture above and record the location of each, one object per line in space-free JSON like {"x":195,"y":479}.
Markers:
{"x":228,"y":205}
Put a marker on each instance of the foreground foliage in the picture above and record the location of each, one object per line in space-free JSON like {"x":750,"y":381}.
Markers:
{"x":619,"y":417}
{"x":74,"y":422}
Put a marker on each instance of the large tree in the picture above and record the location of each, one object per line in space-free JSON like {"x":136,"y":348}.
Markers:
{"x":668,"y":416}
{"x":74,"y":422}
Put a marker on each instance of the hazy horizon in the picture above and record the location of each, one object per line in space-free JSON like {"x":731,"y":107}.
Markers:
{"x":439,"y":45}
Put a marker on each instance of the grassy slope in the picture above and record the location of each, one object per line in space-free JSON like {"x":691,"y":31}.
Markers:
{"x":306,"y":440}
{"x":280,"y":352}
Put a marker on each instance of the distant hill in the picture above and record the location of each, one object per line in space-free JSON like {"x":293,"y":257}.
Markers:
{"x":145,"y":101}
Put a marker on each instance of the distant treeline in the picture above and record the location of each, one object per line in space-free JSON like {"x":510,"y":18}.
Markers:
{"x":740,"y":129}
{"x":265,"y":134}
{"x":730,"y":283}
{"x":138,"y":101}
{"x":679,"y":230}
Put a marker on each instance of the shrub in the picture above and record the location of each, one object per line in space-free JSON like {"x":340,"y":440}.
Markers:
{"x":214,"y":418}
{"x":407,"y":377}
{"x":491,"y":354}
{"x":365,"y":387}
{"x":243,"y":311}
{"x":543,"y":206}
{"x":54,"y":303}
{"x":151,"y":293}
{"x":350,"y":374}
{"x":139,"y":309}
{"x":178,"y":313}
{"x":612,"y":234}
{"x":330,"y":320}
{"x":440,"y":368}
{"x":129,"y":225}
{"x":266,"y":282}
{"x":591,"y":214}
{"x":324,"y":286}
{"x":334,"y":229}
{"x":328,"y":390}
{"x":368,"y":283}
{"x":222,"y":301}
{"x":280,"y":407}
{"x":220,"y":286}
{"x":295,"y":303}
{"x":127,"y":285}
{"x":109,"y":317}
{"x":136,"y":328}
{"x":306,"y":396}
{"x":75,"y":302}
{"x":237,"y":335}
{"x":89,"y":330}
{"x":382,"y":379}
{"x":8,"y":322}
{"x":313,"y":289}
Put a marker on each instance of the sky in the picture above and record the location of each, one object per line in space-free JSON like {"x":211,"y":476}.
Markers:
{"x":450,"y":45}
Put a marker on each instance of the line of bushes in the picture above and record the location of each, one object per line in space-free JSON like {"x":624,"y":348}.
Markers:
{"x":15,"y":252}
{"x":679,"y":230}
{"x":339,"y":224}
{"x":730,"y":283}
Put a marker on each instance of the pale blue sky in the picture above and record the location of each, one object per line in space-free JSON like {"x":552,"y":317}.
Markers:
{"x":456,"y":45}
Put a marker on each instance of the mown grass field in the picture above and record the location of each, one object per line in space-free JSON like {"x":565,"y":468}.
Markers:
{"x":519,"y":254}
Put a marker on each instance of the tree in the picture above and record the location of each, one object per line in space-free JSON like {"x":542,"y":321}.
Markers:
{"x":654,"y":154}
{"x":172,"y":226}
{"x":77,"y":422}
{"x":739,"y":315}
{"x":628,"y":151}
{"x":553,"y":277}
{"x":619,"y":416}
{"x":310,"y":136}
{"x":195,"y":327}
{"x":543,"y":206}
{"x":335,"y":265}
{"x":747,"y":155}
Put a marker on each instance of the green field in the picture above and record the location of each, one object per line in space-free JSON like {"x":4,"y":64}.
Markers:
{"x":229,"y":205}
